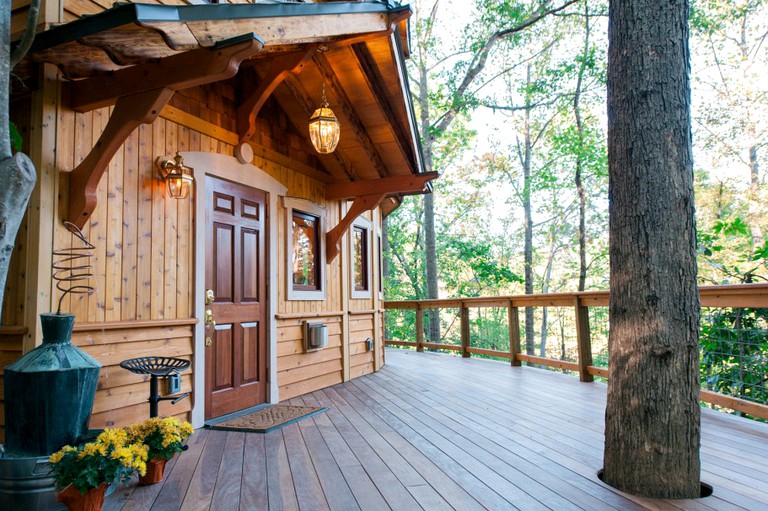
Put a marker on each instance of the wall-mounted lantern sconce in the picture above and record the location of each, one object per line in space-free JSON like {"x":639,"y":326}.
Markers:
{"x":324,"y":128}
{"x":177,"y":176}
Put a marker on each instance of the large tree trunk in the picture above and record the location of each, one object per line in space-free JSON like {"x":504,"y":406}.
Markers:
{"x":652,"y":420}
{"x":17,"y":173}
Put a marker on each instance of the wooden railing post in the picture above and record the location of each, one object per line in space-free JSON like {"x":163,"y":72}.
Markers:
{"x":419,"y":328}
{"x":514,"y":334}
{"x":464,"y":331}
{"x":583,"y":340}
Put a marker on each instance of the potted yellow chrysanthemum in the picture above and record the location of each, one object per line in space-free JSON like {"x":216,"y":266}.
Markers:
{"x":83,"y":473}
{"x":164,"y":438}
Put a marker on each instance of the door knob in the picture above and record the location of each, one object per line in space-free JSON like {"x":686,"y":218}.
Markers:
{"x":209,"y":298}
{"x":209,"y":318}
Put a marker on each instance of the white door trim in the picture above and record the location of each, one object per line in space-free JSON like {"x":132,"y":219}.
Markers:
{"x":228,"y":167}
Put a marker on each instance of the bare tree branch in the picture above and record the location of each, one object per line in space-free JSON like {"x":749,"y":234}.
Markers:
{"x":481,"y":58}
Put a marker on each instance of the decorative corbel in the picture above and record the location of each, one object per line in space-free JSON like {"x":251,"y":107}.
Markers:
{"x":128,"y":114}
{"x":359,"y":206}
{"x":279,"y":68}
{"x":139,"y":93}
{"x":368,"y":195}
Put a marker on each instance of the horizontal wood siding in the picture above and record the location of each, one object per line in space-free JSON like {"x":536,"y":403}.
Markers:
{"x":299,"y":372}
{"x":360,"y":359}
{"x":121,"y":396}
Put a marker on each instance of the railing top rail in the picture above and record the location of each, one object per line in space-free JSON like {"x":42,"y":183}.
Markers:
{"x":732,"y":295}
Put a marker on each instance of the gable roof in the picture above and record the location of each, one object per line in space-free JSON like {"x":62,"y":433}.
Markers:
{"x":357,"y":48}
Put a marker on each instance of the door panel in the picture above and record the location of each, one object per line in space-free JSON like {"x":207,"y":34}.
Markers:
{"x":223,"y":279}
{"x":250,"y":252}
{"x":223,"y":356}
{"x":250,"y":352}
{"x":235,"y":269}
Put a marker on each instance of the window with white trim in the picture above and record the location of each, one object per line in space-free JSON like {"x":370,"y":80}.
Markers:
{"x":360,"y":251}
{"x":305,"y":251}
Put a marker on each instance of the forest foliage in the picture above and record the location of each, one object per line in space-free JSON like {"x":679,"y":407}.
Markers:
{"x":521,"y":205}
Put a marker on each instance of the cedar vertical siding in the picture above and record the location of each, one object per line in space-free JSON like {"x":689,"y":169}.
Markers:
{"x":143,"y":261}
{"x":11,"y":342}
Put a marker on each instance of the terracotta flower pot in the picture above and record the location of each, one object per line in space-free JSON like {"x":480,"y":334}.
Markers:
{"x":93,"y":500}
{"x":155,"y":469}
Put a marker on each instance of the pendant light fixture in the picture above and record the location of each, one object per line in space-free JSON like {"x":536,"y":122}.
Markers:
{"x":324,"y":128}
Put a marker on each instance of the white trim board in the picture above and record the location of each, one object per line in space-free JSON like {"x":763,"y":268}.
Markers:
{"x":229,"y":168}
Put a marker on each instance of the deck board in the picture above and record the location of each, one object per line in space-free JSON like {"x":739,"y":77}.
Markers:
{"x":439,"y":432}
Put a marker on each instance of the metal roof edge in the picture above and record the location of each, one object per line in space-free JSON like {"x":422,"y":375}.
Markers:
{"x":126,"y":13}
{"x":409,"y":106}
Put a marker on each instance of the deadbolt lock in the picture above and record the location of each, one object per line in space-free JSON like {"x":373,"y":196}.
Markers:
{"x":209,"y":297}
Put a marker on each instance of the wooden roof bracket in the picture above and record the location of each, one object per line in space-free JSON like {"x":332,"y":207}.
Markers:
{"x":368,"y":195}
{"x":279,"y":69}
{"x":128,"y":114}
{"x":359,"y":206}
{"x":139,"y":93}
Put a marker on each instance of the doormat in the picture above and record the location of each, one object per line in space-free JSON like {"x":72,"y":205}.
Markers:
{"x":268,"y":419}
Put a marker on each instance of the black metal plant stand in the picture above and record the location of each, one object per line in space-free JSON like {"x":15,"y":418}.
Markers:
{"x":157,"y":367}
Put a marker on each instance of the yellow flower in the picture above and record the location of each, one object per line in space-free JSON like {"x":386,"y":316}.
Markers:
{"x":89,"y":449}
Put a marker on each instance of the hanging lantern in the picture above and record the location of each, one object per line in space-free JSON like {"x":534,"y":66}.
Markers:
{"x":324,"y":128}
{"x":177,"y":177}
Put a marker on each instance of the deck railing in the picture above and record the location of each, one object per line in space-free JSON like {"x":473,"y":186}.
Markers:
{"x":571,"y":334}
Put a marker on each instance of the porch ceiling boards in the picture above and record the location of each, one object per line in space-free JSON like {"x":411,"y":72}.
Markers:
{"x":440,"y":432}
{"x":356,"y":48}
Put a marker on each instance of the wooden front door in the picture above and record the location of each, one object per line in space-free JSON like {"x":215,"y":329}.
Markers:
{"x":236,"y":346}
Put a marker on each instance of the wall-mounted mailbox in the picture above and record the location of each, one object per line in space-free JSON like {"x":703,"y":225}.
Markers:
{"x":315,"y":335}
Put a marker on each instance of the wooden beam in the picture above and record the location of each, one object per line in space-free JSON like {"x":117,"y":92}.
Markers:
{"x":214,"y":131}
{"x":359,"y":206}
{"x":387,"y":185}
{"x":128,"y":114}
{"x":373,"y":76}
{"x":177,"y":72}
{"x":278,"y":69}
{"x":349,"y":113}
{"x":140,"y":93}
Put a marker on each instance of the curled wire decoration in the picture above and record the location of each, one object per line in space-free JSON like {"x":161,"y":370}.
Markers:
{"x":72,"y":267}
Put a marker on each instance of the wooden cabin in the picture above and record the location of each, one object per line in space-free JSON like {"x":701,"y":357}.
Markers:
{"x":273,"y":235}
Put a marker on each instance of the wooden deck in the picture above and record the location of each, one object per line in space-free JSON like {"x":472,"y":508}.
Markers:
{"x":441,"y":432}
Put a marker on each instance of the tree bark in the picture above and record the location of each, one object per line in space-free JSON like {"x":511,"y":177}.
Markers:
{"x":17,"y":172}
{"x":652,"y":424}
